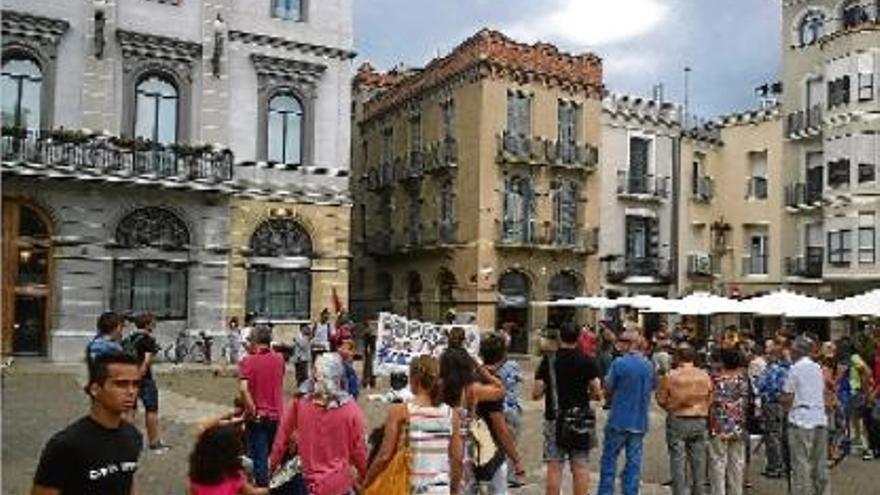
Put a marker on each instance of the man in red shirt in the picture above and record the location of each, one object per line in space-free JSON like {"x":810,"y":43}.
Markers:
{"x":261,"y":375}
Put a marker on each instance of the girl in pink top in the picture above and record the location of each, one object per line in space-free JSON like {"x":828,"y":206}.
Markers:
{"x":215,"y":464}
{"x":326,"y":429}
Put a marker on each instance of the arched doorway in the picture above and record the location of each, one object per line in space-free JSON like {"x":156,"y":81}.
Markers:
{"x":414,"y":296}
{"x":512,"y":311}
{"x":446,"y":295}
{"x":563,"y":285}
{"x":280,"y":273}
{"x":27,"y":277}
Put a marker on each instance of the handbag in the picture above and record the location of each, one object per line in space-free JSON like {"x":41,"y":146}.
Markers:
{"x":574,"y":425}
{"x":486,"y":455}
{"x":394,"y":479}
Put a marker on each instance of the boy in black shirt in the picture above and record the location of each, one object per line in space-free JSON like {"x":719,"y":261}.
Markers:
{"x":99,"y":453}
{"x":577,"y":378}
{"x":146,"y":348}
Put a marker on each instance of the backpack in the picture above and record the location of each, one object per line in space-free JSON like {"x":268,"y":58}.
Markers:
{"x":131,"y":343}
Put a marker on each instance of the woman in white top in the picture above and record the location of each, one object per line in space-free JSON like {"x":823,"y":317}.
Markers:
{"x":433,"y":435}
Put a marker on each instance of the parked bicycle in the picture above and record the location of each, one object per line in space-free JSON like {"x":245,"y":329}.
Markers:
{"x":189,"y":348}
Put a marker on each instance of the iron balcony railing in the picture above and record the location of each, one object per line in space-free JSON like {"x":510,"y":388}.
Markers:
{"x":621,"y":268}
{"x":104,"y":155}
{"x":756,"y":187}
{"x":642,"y":185}
{"x":524,"y":148}
{"x":755,"y":265}
{"x":802,"y":194}
{"x":549,"y":236}
{"x":807,"y":265}
{"x":801,"y":122}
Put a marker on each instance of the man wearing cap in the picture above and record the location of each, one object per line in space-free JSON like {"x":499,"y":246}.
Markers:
{"x":261,"y":375}
{"x":803,"y":398}
{"x":630,"y":382}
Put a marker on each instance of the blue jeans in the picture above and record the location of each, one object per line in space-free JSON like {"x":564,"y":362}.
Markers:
{"x":615,"y":441}
{"x":260,"y":435}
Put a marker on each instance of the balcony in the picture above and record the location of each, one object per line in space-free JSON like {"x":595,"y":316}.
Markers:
{"x":381,"y":177}
{"x":441,"y":235}
{"x":643,"y":187}
{"x":804,"y":123}
{"x":808,"y":265}
{"x":548,"y":237}
{"x":619,"y":269}
{"x":533,"y":150}
{"x":804,"y":196}
{"x":414,"y":170}
{"x":703,"y":189}
{"x":756,"y":187}
{"x":105,"y":156}
{"x":700,"y":265}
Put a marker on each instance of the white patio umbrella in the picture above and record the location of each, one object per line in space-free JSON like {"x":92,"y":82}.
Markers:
{"x":704,"y":303}
{"x":867,"y":304}
{"x":641,"y":301}
{"x":791,"y":305}
{"x":594,"y":302}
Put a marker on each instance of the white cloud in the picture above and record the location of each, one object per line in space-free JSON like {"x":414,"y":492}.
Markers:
{"x":583,"y":24}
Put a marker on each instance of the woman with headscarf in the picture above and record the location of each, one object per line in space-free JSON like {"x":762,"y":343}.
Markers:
{"x":326,"y":429}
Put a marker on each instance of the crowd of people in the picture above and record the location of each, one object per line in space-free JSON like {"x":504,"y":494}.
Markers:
{"x":456,"y":430}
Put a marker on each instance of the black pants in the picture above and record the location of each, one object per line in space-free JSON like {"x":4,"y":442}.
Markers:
{"x":872,"y":428}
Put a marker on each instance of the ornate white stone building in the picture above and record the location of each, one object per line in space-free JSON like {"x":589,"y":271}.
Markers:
{"x":185,"y":157}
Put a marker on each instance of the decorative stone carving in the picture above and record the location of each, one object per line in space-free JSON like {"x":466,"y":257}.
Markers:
{"x":138,"y":48}
{"x":287,"y":71}
{"x":43,"y":31}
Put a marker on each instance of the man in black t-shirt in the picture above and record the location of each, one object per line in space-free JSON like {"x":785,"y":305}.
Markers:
{"x":146,"y":348}
{"x":98,"y":453}
{"x":577,"y":379}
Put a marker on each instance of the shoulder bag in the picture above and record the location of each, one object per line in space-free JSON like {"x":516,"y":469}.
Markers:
{"x":574,"y":425}
{"x":394,"y":479}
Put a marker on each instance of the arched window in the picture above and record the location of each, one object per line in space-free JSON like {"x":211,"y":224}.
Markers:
{"x":514,"y":289}
{"x":518,"y":207}
{"x":564,"y":285}
{"x":152,"y":227}
{"x":285,"y":129}
{"x":281,"y":238}
{"x":280,"y":279}
{"x":22,"y":87}
{"x":853,"y":13}
{"x":157,"y":108}
{"x":811,"y":28}
{"x":564,"y":197}
{"x":151,"y":281}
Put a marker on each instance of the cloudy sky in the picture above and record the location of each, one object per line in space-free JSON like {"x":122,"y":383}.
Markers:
{"x":732,"y":46}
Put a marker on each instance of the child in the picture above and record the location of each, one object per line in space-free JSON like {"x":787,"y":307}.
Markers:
{"x":215,"y":466}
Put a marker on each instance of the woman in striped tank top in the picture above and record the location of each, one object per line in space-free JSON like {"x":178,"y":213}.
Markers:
{"x":432,"y":432}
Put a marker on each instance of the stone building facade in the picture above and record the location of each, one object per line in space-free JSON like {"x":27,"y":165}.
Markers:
{"x":638,"y":173}
{"x":830,"y":105}
{"x":474,"y":184}
{"x":189,"y":158}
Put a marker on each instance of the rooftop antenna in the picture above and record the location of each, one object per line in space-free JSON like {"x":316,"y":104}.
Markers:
{"x":657,"y":92}
{"x":687,"y":73}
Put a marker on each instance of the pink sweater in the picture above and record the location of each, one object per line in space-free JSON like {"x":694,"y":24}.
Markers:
{"x":329,"y":442}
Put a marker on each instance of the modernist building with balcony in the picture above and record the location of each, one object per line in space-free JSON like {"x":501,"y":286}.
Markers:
{"x":638,"y":189}
{"x":831,"y":72}
{"x":506,"y":211}
{"x":194,"y":169}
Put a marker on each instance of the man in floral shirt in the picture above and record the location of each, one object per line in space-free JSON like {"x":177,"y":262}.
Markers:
{"x":769,"y":385}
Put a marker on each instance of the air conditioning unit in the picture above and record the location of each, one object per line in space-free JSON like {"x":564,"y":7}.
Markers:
{"x":699,"y":264}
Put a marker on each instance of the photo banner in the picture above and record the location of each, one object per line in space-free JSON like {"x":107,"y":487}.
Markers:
{"x":399,"y":340}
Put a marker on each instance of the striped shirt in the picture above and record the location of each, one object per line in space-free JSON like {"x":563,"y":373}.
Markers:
{"x":430,"y":430}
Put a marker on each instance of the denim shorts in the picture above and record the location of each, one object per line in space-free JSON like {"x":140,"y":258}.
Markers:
{"x":552,"y":451}
{"x":149,"y":395}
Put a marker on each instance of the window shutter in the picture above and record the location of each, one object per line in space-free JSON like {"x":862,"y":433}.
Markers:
{"x":845,"y":89}
{"x":653,"y":238}
{"x":122,"y":288}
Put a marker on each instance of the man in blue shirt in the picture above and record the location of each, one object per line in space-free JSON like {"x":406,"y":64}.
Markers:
{"x":108,"y":337}
{"x":630,"y":383}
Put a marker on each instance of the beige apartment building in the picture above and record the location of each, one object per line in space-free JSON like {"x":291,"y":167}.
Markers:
{"x":473,"y":184}
{"x":831,"y":112}
{"x":731,"y":206}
